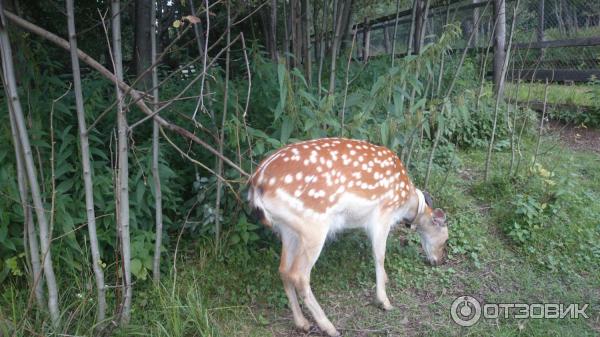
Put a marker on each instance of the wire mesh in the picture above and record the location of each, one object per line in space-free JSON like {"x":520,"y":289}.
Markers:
{"x":548,"y":35}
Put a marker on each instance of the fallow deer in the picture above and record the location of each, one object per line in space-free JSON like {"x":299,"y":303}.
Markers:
{"x":310,"y":190}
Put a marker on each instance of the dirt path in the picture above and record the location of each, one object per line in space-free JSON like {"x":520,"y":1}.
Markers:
{"x":577,"y":137}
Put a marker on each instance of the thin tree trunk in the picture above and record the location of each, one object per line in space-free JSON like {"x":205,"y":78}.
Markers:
{"x":123,"y":164}
{"x":222,"y":134}
{"x":423,"y":27}
{"x":10,"y":87}
{"x":294,"y":33}
{"x":142,"y":48}
{"x":345,"y":11}
{"x":419,"y":23}
{"x":273,"y":37}
{"x":499,"y":96}
{"x":155,"y":152}
{"x":85,"y":162}
{"x":541,"y":22}
{"x":413,"y":21}
{"x":395,"y":33}
{"x":32,"y":242}
{"x":305,"y":27}
{"x":464,"y":54}
{"x":484,"y":65}
{"x":200,"y":105}
{"x":499,"y":45}
{"x":322,"y":47}
{"x":347,"y":83}
{"x":286,"y":35}
{"x":198,"y":30}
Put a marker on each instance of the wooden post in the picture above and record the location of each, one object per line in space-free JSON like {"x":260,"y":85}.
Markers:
{"x":386,"y":39}
{"x":499,"y":44}
{"x":475,"y":26}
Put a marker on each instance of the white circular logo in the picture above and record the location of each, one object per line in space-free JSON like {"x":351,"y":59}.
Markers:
{"x":465,"y":311}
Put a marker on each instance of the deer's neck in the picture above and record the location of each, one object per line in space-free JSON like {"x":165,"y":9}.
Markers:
{"x":414,"y":206}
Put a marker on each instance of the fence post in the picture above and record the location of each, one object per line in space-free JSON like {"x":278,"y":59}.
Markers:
{"x":499,"y":44}
{"x":475,"y":26}
{"x":386,"y":39}
{"x":366,"y":40}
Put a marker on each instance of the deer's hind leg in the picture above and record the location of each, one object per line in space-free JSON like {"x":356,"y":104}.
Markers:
{"x":289,"y":250}
{"x":310,"y":246}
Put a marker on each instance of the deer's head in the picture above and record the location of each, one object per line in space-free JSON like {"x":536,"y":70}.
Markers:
{"x":431,"y":226}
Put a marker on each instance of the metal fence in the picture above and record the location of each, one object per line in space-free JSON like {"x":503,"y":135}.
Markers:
{"x":554,"y":39}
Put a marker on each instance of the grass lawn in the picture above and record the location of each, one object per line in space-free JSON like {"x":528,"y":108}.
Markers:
{"x":576,"y":94}
{"x":242,"y":295}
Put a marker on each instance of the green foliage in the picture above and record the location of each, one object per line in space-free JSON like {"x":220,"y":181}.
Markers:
{"x":400,"y":107}
{"x":548,"y":215}
{"x":588,"y":116}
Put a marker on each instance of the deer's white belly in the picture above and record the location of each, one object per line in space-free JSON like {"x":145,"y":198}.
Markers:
{"x":350,"y":211}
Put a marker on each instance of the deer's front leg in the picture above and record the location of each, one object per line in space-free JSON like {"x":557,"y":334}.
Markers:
{"x":379,"y":238}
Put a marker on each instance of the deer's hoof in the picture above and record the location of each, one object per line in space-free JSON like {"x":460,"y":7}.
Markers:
{"x":386,"y":305}
{"x":303,"y":325}
{"x":333,"y":333}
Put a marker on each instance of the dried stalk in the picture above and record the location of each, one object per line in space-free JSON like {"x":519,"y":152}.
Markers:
{"x":85,"y":162}
{"x":343,"y":113}
{"x":541,"y":128}
{"x":34,"y":250}
{"x":222,"y":134}
{"x":123,"y":164}
{"x":204,"y":59}
{"x":155,"y":150}
{"x":10,"y":87}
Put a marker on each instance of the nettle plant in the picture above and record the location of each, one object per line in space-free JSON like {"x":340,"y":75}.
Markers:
{"x":547,"y":202}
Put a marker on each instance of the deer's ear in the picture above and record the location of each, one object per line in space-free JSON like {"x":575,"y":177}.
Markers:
{"x":428,"y":199}
{"x":439,"y":217}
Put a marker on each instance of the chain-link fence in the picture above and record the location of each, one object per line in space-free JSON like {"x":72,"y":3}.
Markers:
{"x":555,"y":39}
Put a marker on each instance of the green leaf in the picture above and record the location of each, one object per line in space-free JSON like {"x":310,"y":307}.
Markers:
{"x":281,"y":71}
{"x":286,"y":129}
{"x":385,"y":132}
{"x":234,"y":239}
{"x":63,"y":168}
{"x":136,"y":267}
{"x":64,"y":186}
{"x":139,"y":192}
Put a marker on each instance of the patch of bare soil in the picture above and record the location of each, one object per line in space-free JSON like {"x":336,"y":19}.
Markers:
{"x":577,"y":137}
